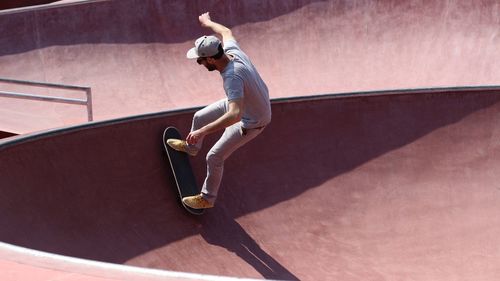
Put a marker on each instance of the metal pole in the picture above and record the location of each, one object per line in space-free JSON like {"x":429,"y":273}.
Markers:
{"x":89,"y":104}
{"x":42,"y":98}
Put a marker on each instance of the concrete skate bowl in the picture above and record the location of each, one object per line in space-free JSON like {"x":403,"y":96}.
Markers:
{"x":378,"y":185}
{"x":395,"y":185}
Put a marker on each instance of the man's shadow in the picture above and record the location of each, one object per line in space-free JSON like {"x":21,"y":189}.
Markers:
{"x":224,"y":231}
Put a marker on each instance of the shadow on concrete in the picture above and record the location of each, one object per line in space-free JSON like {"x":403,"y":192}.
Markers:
{"x":129,"y":22}
{"x":235,"y":239}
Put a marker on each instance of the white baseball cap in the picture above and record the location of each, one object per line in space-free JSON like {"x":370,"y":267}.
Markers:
{"x":205,"y":46}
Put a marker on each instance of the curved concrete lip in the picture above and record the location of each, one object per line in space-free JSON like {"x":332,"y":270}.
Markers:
{"x":27,"y":264}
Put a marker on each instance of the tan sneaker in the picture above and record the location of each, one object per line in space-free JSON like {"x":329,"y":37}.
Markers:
{"x":181,"y":145}
{"x":197,"y":202}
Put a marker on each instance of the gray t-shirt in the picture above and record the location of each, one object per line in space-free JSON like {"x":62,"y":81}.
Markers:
{"x":241,"y":80}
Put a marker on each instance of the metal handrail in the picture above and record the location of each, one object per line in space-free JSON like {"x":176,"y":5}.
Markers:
{"x":87,"y":90}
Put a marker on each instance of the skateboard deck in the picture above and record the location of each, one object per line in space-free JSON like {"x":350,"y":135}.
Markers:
{"x":181,"y":168}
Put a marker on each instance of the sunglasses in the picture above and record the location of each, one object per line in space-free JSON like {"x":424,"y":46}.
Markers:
{"x":200,"y":60}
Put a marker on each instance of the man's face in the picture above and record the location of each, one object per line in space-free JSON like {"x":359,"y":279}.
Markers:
{"x":208,"y":65}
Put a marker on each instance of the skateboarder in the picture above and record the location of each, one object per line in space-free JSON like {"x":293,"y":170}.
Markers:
{"x":243,"y":113}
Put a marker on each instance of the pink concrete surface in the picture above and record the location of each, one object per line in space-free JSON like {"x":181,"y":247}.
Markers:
{"x":391,"y":186}
{"x":21,"y":272}
{"x":132,"y":52}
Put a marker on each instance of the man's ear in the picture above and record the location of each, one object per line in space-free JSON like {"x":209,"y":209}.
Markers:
{"x":211,"y":60}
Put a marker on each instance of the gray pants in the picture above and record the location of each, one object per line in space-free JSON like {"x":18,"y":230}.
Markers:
{"x":232,"y":138}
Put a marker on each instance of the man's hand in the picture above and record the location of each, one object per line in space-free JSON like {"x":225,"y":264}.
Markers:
{"x":205,"y":19}
{"x":194,"y":137}
{"x":218,"y":28}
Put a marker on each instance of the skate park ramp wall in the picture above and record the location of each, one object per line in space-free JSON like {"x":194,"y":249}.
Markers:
{"x":132,"y":52}
{"x":379,"y":186}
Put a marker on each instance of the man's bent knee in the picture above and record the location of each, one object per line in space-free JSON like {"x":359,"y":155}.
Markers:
{"x":213,"y":159}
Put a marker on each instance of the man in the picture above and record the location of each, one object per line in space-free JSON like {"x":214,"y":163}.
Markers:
{"x":243,"y":114}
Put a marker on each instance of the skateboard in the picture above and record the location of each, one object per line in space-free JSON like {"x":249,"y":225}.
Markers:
{"x":181,"y":168}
